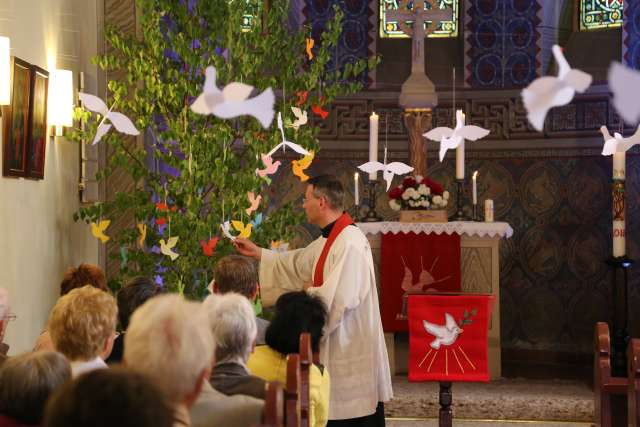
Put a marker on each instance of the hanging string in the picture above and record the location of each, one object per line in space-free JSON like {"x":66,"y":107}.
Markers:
{"x":386,"y":135}
{"x":453,"y":110}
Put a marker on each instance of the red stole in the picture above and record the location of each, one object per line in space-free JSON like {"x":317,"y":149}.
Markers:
{"x":341,"y":223}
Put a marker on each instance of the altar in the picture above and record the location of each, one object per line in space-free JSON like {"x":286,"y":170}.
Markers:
{"x":479,"y":269}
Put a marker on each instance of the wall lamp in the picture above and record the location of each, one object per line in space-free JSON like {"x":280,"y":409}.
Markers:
{"x":5,"y":71}
{"x":60,"y":102}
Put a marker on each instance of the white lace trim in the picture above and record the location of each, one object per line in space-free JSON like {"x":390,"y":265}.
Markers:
{"x":467,"y":228}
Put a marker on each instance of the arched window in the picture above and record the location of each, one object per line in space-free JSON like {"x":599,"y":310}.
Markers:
{"x":390,"y":29}
{"x":599,"y":14}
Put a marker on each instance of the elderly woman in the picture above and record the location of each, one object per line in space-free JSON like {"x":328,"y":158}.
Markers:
{"x":233,"y":324}
{"x":295,"y":313}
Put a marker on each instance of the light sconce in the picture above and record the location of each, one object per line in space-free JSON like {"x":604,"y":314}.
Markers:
{"x":5,"y":71}
{"x":60,"y":103}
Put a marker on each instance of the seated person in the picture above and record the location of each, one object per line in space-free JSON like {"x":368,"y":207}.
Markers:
{"x":109,"y":398}
{"x":295,"y":313}
{"x":82,"y":325}
{"x":74,"y":277}
{"x":4,"y":319}
{"x":233,"y":325}
{"x":169,"y":340}
{"x":237,"y":273}
{"x":26,"y":382}
{"x":130,"y":297}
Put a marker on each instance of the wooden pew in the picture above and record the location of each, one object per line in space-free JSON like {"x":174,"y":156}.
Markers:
{"x":306,"y":360}
{"x":633,"y":383}
{"x":273,"y":412}
{"x":609,"y":392}
{"x":292,"y":392}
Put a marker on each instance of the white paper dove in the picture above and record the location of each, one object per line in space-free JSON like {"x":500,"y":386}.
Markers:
{"x":451,"y":138}
{"x":233,"y":100}
{"x":167,"y":247}
{"x":295,"y":147}
{"x":547,"y":92}
{"x":625,"y":85}
{"x":301,"y":118}
{"x":388,"y":171}
{"x":121,"y":122}
{"x":226,"y":230}
{"x":617,"y":143}
{"x":445,"y":335}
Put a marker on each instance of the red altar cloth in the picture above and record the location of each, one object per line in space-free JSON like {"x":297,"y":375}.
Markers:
{"x":415,"y":263}
{"x":448,"y":337}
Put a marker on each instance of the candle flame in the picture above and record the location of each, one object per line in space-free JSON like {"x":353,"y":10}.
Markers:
{"x":475,"y":174}
{"x":356,"y":176}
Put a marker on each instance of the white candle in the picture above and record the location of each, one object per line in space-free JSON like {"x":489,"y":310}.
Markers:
{"x":618,"y":232}
{"x":373,"y":142}
{"x":356,"y":177}
{"x":460,"y":155}
{"x":488,"y":210}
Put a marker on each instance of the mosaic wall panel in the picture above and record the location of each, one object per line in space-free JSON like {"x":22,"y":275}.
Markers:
{"x":502,"y":43}
{"x":631,"y":34}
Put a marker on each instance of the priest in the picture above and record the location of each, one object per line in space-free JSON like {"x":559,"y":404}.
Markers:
{"x":338,"y":266}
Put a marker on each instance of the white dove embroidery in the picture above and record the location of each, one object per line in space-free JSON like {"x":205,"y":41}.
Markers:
{"x":547,"y":92}
{"x":233,"y":100}
{"x":301,"y":118}
{"x":451,"y":138}
{"x":388,"y":170}
{"x":624,"y":83}
{"x":445,"y":335}
{"x":617,"y":143}
{"x":121,"y":122}
{"x":295,"y":147}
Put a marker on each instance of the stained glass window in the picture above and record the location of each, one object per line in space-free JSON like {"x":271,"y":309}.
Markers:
{"x":250,"y":11}
{"x":599,"y":14}
{"x":391,"y":29}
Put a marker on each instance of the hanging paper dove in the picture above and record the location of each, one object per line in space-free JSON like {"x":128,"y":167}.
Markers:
{"x":254,"y":201}
{"x":167,"y":247}
{"x":233,"y":100}
{"x":209,"y":246}
{"x":295,"y":147}
{"x":302,"y":97}
{"x":226,"y":230}
{"x":394,"y":168}
{"x":142,"y":229}
{"x":301,"y":118}
{"x":547,"y":92}
{"x":625,"y":85}
{"x":121,"y":122}
{"x":257,"y":221}
{"x":124,"y":258}
{"x":310,"y":43}
{"x":98,"y":229}
{"x":617,"y":143}
{"x":319,"y":111}
{"x":270,"y":167}
{"x":451,"y":138}
{"x":245,"y":230}
{"x":299,"y":166}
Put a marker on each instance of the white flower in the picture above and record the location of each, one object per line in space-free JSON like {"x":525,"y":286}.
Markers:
{"x":419,"y":178}
{"x":428,"y":190}
{"x":426,"y":205}
{"x":444,"y":203}
{"x":437,"y":200}
{"x":445,"y":195}
{"x":412,"y":203}
{"x":422,"y":189}
{"x":394,"y":205}
{"x":405,"y":195}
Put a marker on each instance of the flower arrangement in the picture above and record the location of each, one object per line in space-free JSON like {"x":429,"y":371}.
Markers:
{"x":417,"y":192}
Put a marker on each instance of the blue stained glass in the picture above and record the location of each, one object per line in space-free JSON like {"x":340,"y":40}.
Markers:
{"x":391,"y":29}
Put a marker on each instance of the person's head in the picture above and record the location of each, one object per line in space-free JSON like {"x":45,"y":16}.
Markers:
{"x":27,"y":381}
{"x":84,"y":274}
{"x":169,"y":339}
{"x":108,"y":398}
{"x":323,"y":199}
{"x":133,"y":295}
{"x":4,"y":312}
{"x":233,"y":324}
{"x":295,"y":313}
{"x":82,"y":324}
{"x":236,"y":273}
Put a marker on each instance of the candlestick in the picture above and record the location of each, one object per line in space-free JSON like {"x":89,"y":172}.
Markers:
{"x":373,"y":143}
{"x":372,"y":215}
{"x":618,"y":230}
{"x":459,"y":214}
{"x":460,"y":154}
{"x":474,"y":188}
{"x":356,"y":193}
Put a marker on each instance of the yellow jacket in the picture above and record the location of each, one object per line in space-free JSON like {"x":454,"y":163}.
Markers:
{"x":270,"y":365}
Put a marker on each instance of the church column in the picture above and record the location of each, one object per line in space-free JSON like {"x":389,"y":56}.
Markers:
{"x":417,"y":122}
{"x":631,"y":34}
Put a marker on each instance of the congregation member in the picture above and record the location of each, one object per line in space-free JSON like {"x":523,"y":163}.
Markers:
{"x":169,"y":339}
{"x":130,"y":297}
{"x":233,"y":325}
{"x":295,"y":313}
{"x":82,"y":325}
{"x":109,"y":398}
{"x":339,"y":267}
{"x":4,"y":320}
{"x":74,"y":277}
{"x":26,"y":382}
{"x":236,"y":273}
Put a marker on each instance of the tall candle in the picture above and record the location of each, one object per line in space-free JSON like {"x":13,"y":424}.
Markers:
{"x":356,"y":177}
{"x":460,"y":156}
{"x":618,"y":232}
{"x":488,"y":210}
{"x":474,"y":188}
{"x":373,"y":142}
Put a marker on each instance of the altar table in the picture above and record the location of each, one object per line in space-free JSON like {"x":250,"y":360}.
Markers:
{"x":479,"y":268}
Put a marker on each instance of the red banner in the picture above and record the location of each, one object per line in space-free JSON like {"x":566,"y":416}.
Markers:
{"x":415,"y":263}
{"x":448,"y":337}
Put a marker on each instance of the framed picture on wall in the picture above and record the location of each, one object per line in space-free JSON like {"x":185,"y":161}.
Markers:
{"x":37,"y":144}
{"x":15,"y":119}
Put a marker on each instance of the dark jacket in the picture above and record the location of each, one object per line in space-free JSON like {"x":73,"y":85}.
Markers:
{"x":232,"y":378}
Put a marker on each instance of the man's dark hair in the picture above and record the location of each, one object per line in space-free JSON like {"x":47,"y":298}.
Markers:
{"x":84,"y":274}
{"x":107,"y":398}
{"x":331,"y":188}
{"x":295,"y":313}
{"x":236,"y":273}
{"x":133,"y":295}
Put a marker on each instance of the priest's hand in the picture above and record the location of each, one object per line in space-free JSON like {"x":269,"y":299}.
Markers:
{"x":247,"y":248}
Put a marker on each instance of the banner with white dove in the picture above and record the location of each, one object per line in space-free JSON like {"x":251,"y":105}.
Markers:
{"x":448,"y":337}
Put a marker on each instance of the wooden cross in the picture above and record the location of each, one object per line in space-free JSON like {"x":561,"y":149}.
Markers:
{"x":419,"y":15}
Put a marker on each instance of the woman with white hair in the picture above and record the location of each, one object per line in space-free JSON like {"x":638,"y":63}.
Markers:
{"x":234,"y":329}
